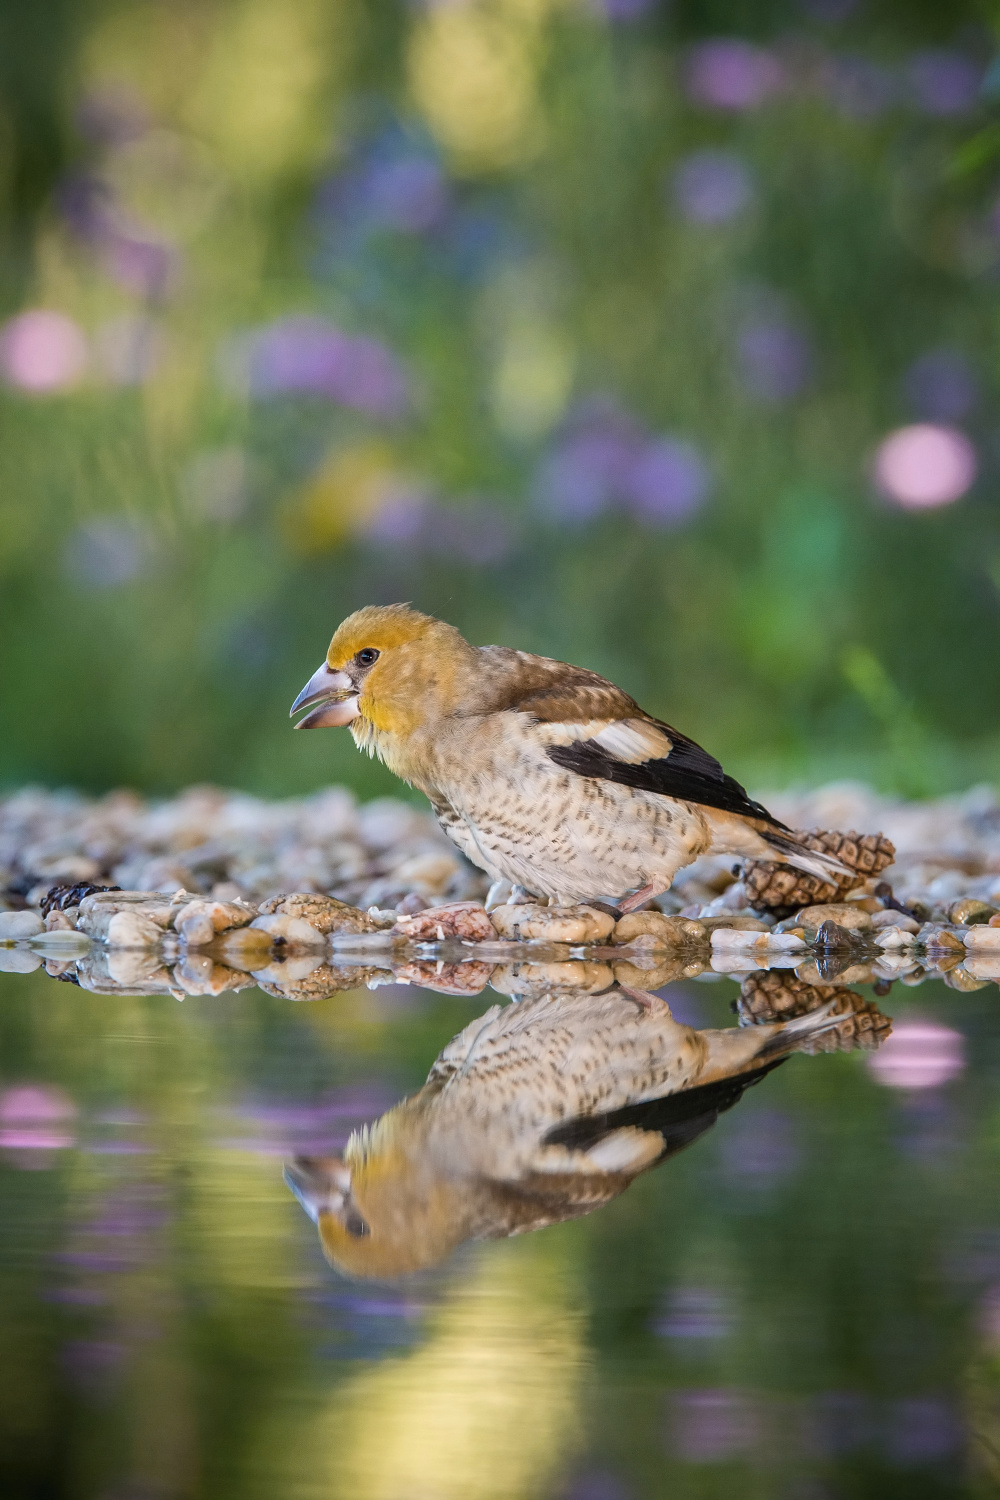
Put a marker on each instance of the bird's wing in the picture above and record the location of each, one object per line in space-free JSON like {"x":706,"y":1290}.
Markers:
{"x":458,"y":830}
{"x":590,"y":726}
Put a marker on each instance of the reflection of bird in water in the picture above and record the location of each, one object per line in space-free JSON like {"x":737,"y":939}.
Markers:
{"x":537,"y":1112}
{"x":543,"y":774}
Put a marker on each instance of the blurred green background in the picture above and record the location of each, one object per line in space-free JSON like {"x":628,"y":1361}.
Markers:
{"x":657,"y":337}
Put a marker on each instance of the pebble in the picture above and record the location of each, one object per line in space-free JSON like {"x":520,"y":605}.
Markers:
{"x":324,"y":913}
{"x":747,"y":939}
{"x":651,"y":929}
{"x":846,"y":914}
{"x":581,"y":975}
{"x":898,"y":919}
{"x":970,"y":911}
{"x":19,"y":960}
{"x":896,"y":937}
{"x":295,"y":931}
{"x":983,"y":938}
{"x":17,"y":925}
{"x":199,"y":922}
{"x":553,"y":924}
{"x":466,"y":920}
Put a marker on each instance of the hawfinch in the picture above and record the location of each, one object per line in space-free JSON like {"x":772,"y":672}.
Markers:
{"x":545,"y":775}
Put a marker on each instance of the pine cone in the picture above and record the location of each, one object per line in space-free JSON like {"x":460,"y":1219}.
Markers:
{"x":780,"y":888}
{"x":777,"y":995}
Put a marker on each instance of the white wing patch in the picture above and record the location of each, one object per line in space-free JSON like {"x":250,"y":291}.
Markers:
{"x":632,"y":741}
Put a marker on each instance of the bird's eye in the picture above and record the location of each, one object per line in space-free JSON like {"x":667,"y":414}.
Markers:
{"x":355,"y":1224}
{"x":368,"y":657}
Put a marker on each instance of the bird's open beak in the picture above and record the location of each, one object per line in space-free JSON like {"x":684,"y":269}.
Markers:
{"x":320,"y":1183}
{"x":336,"y":700}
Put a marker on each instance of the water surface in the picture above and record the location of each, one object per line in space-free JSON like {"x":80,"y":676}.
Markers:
{"x":804,"y":1303}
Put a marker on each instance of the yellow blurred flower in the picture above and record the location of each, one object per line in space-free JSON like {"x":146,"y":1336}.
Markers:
{"x":350,"y":487}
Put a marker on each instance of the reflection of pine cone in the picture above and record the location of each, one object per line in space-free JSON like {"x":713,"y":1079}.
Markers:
{"x":777,"y":995}
{"x":773,"y":887}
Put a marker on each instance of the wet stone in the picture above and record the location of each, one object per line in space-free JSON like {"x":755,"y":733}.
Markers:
{"x":466,"y":920}
{"x":324,"y":913}
{"x":295,"y":931}
{"x":969,"y":912}
{"x":530,"y":979}
{"x":983,"y":939}
{"x":553,"y":924}
{"x":846,"y":915}
{"x":199,"y":922}
{"x":651,"y":929}
{"x":16,"y":925}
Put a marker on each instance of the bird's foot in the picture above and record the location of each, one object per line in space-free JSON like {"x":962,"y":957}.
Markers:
{"x":521,"y":896}
{"x":638,"y":898}
{"x":647,"y":1002}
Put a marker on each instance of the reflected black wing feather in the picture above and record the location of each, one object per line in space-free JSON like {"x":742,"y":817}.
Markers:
{"x":688,"y":773}
{"x":680,"y":1118}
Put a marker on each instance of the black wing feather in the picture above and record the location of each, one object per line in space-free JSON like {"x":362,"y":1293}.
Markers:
{"x":688,"y":773}
{"x":680,"y":1118}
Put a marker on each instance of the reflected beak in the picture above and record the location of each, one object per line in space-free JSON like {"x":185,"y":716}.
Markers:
{"x":320,"y":1183}
{"x":336,"y":700}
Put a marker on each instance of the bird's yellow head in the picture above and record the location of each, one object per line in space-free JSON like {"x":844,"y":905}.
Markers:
{"x":380,"y":1209}
{"x":388,"y":669}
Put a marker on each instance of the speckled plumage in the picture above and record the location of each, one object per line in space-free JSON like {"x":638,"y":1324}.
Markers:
{"x":536,"y":1112}
{"x":543,"y":774}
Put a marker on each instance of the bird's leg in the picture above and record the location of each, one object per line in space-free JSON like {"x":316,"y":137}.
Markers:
{"x":521,"y":896}
{"x":647,"y":1002}
{"x":638,"y":898}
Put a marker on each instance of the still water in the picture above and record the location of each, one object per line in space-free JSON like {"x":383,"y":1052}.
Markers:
{"x":803,"y":1303}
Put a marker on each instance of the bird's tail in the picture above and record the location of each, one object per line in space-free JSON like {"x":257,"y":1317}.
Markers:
{"x":736,"y":1049}
{"x":787,"y":850}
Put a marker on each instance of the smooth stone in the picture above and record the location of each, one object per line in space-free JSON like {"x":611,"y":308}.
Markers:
{"x":654,"y":976}
{"x":846,"y":914}
{"x":324,"y":913}
{"x":17,"y":925}
{"x":895,"y":937}
{"x":983,"y":965}
{"x":130,"y":965}
{"x":736,"y":923}
{"x":19,"y":960}
{"x":199,"y":922}
{"x":466,"y":920}
{"x":197,"y":974}
{"x":884,"y":919}
{"x":61,"y":940}
{"x":536,"y":979}
{"x":970,"y":912}
{"x":932,"y":936}
{"x":132,"y":929}
{"x":553,"y":924}
{"x":652,"y":929}
{"x":294,"y":930}
{"x":981,"y":938}
{"x":243,"y":947}
{"x":959,"y":978}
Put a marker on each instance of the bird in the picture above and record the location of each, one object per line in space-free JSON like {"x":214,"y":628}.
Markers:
{"x":538,"y":1111}
{"x":545,"y":775}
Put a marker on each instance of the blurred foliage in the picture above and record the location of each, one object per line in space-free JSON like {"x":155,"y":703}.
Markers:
{"x":578,"y":322}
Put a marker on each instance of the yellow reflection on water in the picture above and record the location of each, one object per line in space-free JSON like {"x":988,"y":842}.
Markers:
{"x":486,"y":1409}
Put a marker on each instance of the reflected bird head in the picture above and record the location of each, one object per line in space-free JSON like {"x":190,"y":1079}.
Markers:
{"x":380,"y":1211}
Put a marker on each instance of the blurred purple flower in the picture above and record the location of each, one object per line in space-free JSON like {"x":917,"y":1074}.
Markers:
{"x":108,"y":551}
{"x":921,"y":1430}
{"x":142,"y":265}
{"x":606,"y":460}
{"x":409,"y":194}
{"x":711,"y":187}
{"x":732,"y":74}
{"x":473,"y":530}
{"x":711,"y":1426}
{"x":91,"y":1363}
{"x":668,"y":482}
{"x":944,"y":82}
{"x":839,"y":1422}
{"x":940,"y":386}
{"x":773,"y":358}
{"x":309,"y":355}
{"x":860,"y":89}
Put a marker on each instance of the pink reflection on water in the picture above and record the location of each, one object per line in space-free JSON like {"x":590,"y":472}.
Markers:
{"x":42,"y":351}
{"x":729,"y":73}
{"x":34,"y":1119}
{"x":919,"y":1055}
{"x":926,"y":465}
